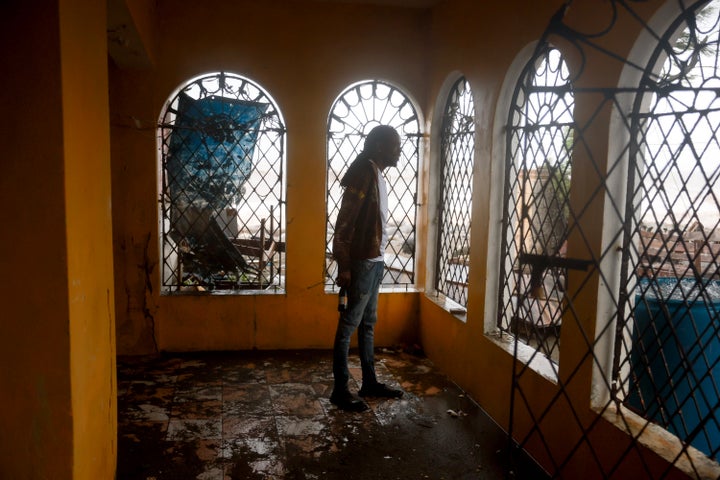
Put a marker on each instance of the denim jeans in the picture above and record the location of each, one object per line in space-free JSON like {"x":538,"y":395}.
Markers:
{"x":360,"y":315}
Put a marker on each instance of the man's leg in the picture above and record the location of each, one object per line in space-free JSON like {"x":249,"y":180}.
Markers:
{"x":366,"y":329}
{"x":341,"y":395}
{"x":347,"y":324}
{"x":366,"y":341}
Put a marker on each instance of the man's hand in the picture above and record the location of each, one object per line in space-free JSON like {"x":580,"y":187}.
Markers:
{"x":343,"y":279}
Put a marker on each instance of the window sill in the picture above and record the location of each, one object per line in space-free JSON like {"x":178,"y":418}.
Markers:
{"x":526,"y":354}
{"x":223,"y":293}
{"x":449,"y":305}
{"x":333,"y":290}
{"x":692,"y":462}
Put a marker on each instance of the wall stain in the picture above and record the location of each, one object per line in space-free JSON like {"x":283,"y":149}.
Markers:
{"x":147,"y":268}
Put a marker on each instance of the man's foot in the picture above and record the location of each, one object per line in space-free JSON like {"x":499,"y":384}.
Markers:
{"x":345,"y":400}
{"x":380,"y":390}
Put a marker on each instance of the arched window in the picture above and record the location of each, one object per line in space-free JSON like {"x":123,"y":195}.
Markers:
{"x":222,"y":148}
{"x":539,"y":139}
{"x":457,"y":153}
{"x":642,"y":307}
{"x":357,"y":110}
{"x":667,"y":364}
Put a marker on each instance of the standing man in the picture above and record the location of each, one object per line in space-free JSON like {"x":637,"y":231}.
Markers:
{"x":358,"y":247}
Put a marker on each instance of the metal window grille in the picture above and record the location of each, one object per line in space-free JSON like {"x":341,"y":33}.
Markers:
{"x":668,"y":366}
{"x":457,"y":158}
{"x":535,"y":220}
{"x":654,"y":271}
{"x":358,"y":110}
{"x":222,"y":145}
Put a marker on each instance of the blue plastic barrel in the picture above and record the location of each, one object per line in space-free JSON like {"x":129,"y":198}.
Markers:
{"x":675,"y":359}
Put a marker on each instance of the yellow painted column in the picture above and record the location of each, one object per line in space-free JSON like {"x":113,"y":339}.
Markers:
{"x":57,"y":387}
{"x":88,"y":216}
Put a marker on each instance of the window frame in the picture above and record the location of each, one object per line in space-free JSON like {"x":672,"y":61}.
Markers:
{"x":456,"y":304}
{"x":405,"y":117}
{"x":544,"y":357}
{"x":262,"y":250}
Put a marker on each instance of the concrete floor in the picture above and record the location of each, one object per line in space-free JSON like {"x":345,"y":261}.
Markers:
{"x":266,"y":415}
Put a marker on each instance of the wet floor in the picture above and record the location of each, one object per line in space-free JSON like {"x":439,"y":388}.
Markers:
{"x":266,"y":415}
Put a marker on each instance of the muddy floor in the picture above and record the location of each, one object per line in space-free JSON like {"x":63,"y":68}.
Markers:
{"x":266,"y":415}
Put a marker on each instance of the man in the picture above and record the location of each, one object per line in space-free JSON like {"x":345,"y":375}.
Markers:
{"x":358,"y":247}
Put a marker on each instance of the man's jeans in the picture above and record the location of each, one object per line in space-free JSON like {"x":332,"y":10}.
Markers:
{"x":361,"y":314}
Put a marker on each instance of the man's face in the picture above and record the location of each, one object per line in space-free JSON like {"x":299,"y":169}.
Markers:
{"x":390,"y":153}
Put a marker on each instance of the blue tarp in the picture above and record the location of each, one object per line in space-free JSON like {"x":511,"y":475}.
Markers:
{"x":211,"y":149}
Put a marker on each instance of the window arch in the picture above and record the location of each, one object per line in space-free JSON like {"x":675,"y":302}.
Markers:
{"x":539,"y":138}
{"x":356,"y":111}
{"x":661,"y":122}
{"x":222,"y":191}
{"x":667,"y":357}
{"x":457,"y":154}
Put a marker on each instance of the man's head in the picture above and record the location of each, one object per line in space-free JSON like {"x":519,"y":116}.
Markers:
{"x":383,"y":146}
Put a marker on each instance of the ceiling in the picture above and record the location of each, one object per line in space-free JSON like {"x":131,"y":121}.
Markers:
{"x":395,"y":3}
{"x":126,"y":49}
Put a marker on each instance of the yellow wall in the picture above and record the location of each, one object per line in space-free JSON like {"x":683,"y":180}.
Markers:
{"x":34,"y":352}
{"x":58,"y":395}
{"x":66,"y":144}
{"x":304,"y":54}
{"x":462,"y":350}
{"x":86,"y":141}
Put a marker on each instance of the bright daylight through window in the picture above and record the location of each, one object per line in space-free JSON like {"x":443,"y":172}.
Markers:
{"x":358,"y":109}
{"x":457,"y":154}
{"x":222,"y":147}
{"x":668,"y":363}
{"x":537,"y":189}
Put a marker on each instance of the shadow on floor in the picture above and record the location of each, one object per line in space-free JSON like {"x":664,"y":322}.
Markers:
{"x":266,"y":415}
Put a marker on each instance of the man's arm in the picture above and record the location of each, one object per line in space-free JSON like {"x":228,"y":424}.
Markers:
{"x":356,"y":186}
{"x":345,"y":226}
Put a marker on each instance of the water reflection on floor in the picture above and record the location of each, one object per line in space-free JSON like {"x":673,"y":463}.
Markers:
{"x":266,"y":415}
